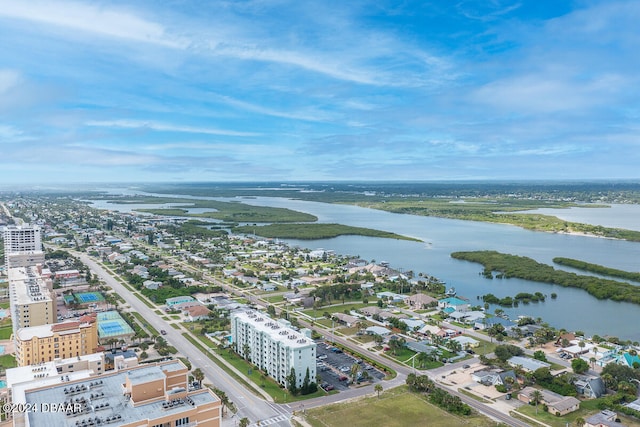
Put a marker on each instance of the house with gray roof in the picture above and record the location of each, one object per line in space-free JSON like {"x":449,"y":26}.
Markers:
{"x":493,"y":377}
{"x":590,"y":386}
{"x":529,"y":365}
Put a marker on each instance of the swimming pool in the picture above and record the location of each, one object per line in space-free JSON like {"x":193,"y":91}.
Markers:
{"x":3,"y":384}
{"x":1,"y":349}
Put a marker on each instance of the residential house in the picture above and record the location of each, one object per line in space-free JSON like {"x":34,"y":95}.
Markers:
{"x":377,"y":330}
{"x":529,"y":365}
{"x":195,"y":313}
{"x":420,"y":301}
{"x":371,"y":310}
{"x":466,"y":342}
{"x":150,"y":284}
{"x":455,"y":303}
{"x":590,"y":386}
{"x":489,"y":322}
{"x":493,"y":377}
{"x":346,"y":319}
{"x":557,"y":404}
{"x":630,"y":360}
{"x":606,"y":418}
{"x":421,"y":347}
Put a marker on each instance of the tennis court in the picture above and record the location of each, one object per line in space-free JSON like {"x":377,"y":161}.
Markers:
{"x":111,"y":324}
{"x":86,"y":297}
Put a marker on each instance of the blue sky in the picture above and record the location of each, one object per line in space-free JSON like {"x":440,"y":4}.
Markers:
{"x":318,"y":90}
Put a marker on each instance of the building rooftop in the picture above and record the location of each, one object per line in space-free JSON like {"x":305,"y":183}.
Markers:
{"x":103,"y":397}
{"x":276,"y":330}
{"x":28,"y":286}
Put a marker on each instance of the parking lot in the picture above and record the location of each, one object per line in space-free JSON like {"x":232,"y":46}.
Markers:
{"x":334,"y":368}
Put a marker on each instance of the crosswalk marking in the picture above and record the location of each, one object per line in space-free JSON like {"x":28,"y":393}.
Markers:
{"x":270,"y":421}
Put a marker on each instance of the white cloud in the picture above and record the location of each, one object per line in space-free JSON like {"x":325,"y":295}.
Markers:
{"x":91,"y":19}
{"x":166,"y":127}
{"x":313,"y":116}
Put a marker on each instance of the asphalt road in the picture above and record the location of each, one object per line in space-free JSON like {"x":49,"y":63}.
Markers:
{"x":248,"y":404}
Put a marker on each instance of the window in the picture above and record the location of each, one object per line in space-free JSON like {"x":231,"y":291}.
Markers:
{"x":182,"y":421}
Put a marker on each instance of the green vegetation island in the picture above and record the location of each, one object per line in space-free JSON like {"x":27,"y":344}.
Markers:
{"x":285,"y":223}
{"x":316,"y":231}
{"x":598,"y":269}
{"x":526,"y":268}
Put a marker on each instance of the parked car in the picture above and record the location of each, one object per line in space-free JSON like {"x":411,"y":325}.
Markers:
{"x":343,"y":378}
{"x":328,"y":387}
{"x":163,"y":332}
{"x":322,"y":357}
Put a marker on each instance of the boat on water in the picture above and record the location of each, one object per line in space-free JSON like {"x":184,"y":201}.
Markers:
{"x":451,"y":292}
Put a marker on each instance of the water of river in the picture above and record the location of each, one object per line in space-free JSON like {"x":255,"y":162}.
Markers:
{"x":574,"y":309}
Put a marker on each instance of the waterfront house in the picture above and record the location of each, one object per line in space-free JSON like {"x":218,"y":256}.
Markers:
{"x":420,"y":301}
{"x":489,"y":322}
{"x":453,"y":302}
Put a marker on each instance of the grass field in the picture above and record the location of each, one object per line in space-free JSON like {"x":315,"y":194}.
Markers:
{"x":5,"y":332}
{"x":394,"y":408}
{"x":8,"y":361}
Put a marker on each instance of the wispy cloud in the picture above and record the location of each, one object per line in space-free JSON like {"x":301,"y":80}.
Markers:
{"x":99,"y":20}
{"x":166,"y":127}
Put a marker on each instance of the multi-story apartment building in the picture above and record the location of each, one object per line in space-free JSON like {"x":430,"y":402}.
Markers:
{"x":273,"y":347}
{"x":22,"y":245}
{"x":30,"y":299}
{"x":44,"y":343}
{"x":150,"y":395}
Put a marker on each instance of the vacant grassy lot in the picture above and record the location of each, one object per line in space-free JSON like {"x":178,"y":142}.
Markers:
{"x":395,"y":408}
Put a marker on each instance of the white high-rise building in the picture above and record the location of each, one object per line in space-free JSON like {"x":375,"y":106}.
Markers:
{"x":22,"y":245}
{"x":273,"y":347}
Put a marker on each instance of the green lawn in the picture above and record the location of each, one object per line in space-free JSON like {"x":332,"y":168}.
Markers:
{"x":394,"y":408}
{"x":335,"y":309}
{"x":5,"y":332}
{"x":8,"y":361}
{"x":4,"y":304}
{"x":402,"y":355}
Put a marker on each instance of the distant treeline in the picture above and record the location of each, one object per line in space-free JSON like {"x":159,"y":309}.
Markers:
{"x":598,"y":269}
{"x":529,"y":269}
{"x":314,"y":231}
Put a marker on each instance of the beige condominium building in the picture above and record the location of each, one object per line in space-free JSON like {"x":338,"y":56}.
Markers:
{"x":31,"y":301}
{"x":58,"y":341}
{"x":151,"y":395}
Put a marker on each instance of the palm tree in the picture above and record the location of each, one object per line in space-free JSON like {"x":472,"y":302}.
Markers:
{"x":198,"y":375}
{"x":378,"y":389}
{"x":536,"y":396}
{"x":580,"y":422}
{"x":355,"y":368}
{"x":244,"y":422}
